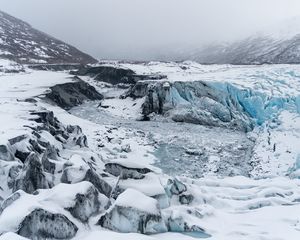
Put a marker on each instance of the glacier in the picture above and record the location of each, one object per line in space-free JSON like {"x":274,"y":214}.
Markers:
{"x":99,"y":165}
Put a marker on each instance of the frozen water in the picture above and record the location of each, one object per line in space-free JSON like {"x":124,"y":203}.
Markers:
{"x":182,"y":148}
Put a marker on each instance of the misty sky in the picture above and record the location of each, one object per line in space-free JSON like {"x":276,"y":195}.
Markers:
{"x":143,"y":29}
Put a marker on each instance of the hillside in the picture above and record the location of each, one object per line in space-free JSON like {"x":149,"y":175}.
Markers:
{"x":22,"y":43}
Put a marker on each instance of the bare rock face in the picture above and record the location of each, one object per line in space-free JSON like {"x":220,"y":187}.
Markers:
{"x":32,"y":176}
{"x":108,"y":74}
{"x":41,"y":224}
{"x":125,"y":172}
{"x":134,"y":212}
{"x":114,"y":75}
{"x":72,"y":94}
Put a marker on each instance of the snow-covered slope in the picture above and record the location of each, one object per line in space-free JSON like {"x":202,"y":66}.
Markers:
{"x":24,"y":44}
{"x":267,"y":96}
{"x":278,"y":44}
{"x":94,"y":171}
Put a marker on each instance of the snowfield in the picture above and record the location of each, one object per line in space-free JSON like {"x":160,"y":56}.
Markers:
{"x":116,"y":178}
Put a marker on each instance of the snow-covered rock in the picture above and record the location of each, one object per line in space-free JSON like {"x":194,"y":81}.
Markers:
{"x":124,"y":171}
{"x":150,"y":185}
{"x":32,"y":176}
{"x":41,"y":224}
{"x":54,"y":212}
{"x":134,"y":212}
{"x":68,"y":95}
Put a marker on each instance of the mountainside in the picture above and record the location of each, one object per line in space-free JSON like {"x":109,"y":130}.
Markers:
{"x":279,"y":44}
{"x":253,"y":50}
{"x":24,"y":44}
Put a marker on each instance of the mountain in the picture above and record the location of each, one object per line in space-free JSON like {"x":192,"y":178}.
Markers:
{"x":253,"y":50}
{"x":279,"y":44}
{"x":22,"y":43}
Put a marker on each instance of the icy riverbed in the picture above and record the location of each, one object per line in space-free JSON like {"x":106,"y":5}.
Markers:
{"x":181,"y":148}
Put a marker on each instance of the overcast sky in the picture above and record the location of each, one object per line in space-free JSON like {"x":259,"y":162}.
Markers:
{"x":136,"y":29}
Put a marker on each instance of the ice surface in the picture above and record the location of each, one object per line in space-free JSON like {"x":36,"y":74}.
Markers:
{"x":261,"y":204}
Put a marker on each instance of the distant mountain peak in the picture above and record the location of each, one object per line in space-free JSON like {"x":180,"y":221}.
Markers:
{"x":22,"y":43}
{"x":282,"y":30}
{"x":278,"y":44}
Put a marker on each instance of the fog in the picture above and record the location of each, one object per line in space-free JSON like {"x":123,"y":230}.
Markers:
{"x":147,"y":29}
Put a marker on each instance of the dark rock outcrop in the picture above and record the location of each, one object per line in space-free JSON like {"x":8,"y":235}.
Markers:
{"x":124,"y":172}
{"x":41,"y":224}
{"x":72,"y":94}
{"x":114,"y":75}
{"x":55,"y":67}
{"x":32,"y":176}
{"x":108,"y":74}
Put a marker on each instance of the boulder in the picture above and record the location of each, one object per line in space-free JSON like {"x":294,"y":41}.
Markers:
{"x":6,"y":153}
{"x":41,"y":224}
{"x":86,"y":204}
{"x":125,"y":172}
{"x":75,"y":169}
{"x":186,"y":198}
{"x":101,"y":185}
{"x":180,"y":220}
{"x":32,"y":176}
{"x":176,"y":187}
{"x":12,"y":198}
{"x":134,"y":212}
{"x":13,"y":173}
{"x":48,"y":165}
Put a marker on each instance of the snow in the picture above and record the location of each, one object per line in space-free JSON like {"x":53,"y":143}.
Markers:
{"x":134,"y":199}
{"x":278,"y":146}
{"x":131,"y":236}
{"x":113,"y":235}
{"x":264,"y":205}
{"x":55,"y":200}
{"x":150,"y":185}
{"x":29,"y":84}
{"x":12,"y":236}
{"x":14,"y":89}
{"x":7,"y":65}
